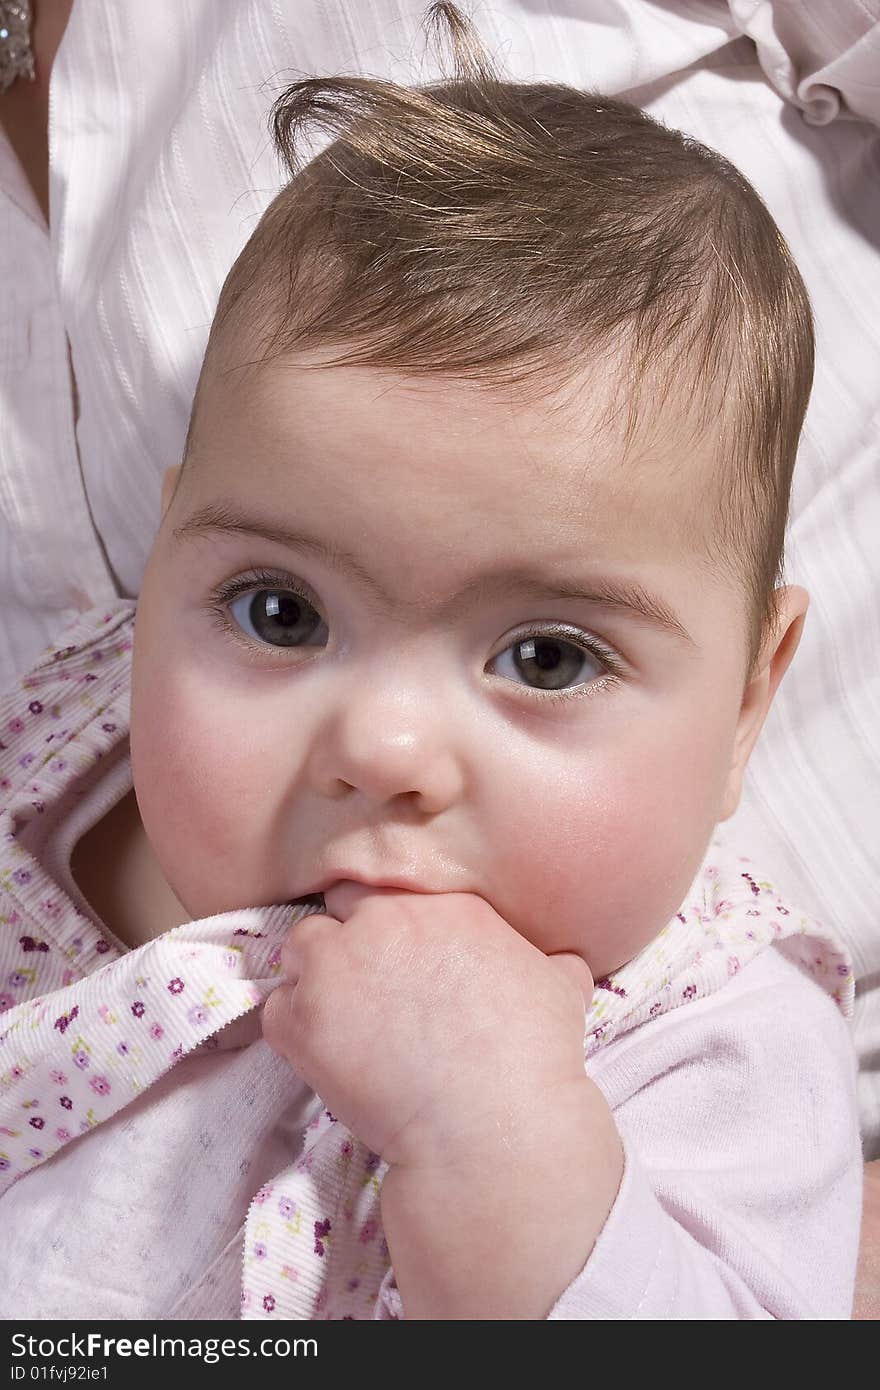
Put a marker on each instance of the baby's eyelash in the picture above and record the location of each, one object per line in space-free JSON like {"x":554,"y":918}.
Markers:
{"x":220,"y":598}
{"x":259,"y":579}
{"x":615,"y":671}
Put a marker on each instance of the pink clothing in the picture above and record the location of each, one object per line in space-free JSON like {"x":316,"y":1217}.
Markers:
{"x":159,"y":1159}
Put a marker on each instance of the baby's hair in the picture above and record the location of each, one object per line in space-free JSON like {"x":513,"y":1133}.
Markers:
{"x":502,"y":233}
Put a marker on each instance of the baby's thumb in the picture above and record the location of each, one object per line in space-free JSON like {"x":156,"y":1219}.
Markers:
{"x":577,"y":970}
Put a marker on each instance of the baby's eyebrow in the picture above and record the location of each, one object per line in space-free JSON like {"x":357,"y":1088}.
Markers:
{"x":625,"y":595}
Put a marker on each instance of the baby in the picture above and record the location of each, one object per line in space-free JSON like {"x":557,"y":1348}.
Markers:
{"x":458,"y":632}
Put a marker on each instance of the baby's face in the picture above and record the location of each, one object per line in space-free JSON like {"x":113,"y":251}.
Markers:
{"x":384,"y":669}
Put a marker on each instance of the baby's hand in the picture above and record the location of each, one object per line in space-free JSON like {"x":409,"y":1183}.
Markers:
{"x":427,"y":1024}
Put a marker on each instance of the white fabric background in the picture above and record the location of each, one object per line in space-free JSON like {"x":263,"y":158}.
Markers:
{"x":160,"y":167}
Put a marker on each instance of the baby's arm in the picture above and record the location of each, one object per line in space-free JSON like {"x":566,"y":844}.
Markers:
{"x":503,"y":1236}
{"x":453,"y":1048}
{"x":741,"y":1194}
{"x":449,"y":1045}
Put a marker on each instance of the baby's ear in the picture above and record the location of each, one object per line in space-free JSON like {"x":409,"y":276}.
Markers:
{"x":792,"y":603}
{"x":169,"y":483}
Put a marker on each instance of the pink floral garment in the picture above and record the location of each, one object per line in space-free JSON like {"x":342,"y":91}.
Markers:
{"x":88,"y":1026}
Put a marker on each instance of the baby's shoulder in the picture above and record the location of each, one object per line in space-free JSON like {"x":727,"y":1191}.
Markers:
{"x":775,"y":1001}
{"x":45,"y":713}
{"x":771,"y":1026}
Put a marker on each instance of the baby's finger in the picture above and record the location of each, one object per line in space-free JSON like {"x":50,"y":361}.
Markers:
{"x":297,"y":940}
{"x":577,"y":970}
{"x":277,"y":1018}
{"x":342,"y":897}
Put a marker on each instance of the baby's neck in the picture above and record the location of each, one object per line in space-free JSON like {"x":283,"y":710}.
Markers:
{"x":116,"y":870}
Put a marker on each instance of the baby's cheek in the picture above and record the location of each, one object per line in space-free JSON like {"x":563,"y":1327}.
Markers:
{"x":600,"y":860}
{"x":196,"y":761}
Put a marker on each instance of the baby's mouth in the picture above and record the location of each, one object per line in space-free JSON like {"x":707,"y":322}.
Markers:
{"x":309,"y":900}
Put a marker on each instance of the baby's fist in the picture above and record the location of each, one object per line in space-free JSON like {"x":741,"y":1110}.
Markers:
{"x":424,"y":1020}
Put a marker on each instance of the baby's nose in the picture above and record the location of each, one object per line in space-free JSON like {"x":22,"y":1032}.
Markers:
{"x":389,"y":743}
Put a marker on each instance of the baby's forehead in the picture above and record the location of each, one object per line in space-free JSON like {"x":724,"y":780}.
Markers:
{"x":587,"y":459}
{"x":599,"y":407}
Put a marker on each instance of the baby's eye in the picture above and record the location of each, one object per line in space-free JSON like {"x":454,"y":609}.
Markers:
{"x":547,"y":662}
{"x":278,"y":617}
